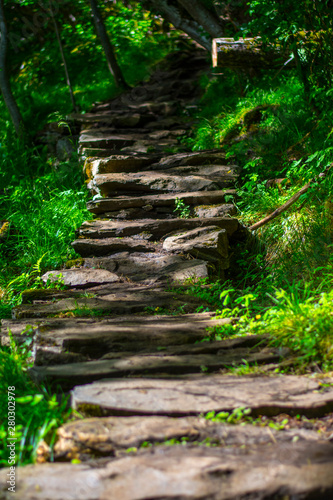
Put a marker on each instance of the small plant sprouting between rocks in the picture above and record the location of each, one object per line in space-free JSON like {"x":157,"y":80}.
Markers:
{"x":183,"y":211}
{"x":242,"y":416}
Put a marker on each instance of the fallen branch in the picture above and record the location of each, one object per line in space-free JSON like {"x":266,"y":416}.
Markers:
{"x":291,"y":200}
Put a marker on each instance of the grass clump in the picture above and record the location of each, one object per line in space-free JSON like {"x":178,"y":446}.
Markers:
{"x":38,"y":412}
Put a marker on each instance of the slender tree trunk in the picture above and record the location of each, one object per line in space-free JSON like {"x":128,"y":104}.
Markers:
{"x":203,"y":16}
{"x":173,"y":16}
{"x":4,"y":78}
{"x":107,"y":46}
{"x":68,"y":80}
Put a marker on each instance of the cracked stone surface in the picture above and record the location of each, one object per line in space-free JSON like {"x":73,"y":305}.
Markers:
{"x":265,"y":395}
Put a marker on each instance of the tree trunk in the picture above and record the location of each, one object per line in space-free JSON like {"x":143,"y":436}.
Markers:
{"x":173,"y":16}
{"x":4,"y":78}
{"x":246,"y":53}
{"x":203,"y":16}
{"x":107,"y":46}
{"x":75,"y":107}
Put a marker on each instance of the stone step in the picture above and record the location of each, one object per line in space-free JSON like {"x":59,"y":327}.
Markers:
{"x":118,"y":298}
{"x":208,"y":243}
{"x":208,"y":157}
{"x":126,"y":364}
{"x":183,"y":397}
{"x":96,"y":139}
{"x":117,"y":119}
{"x":109,"y":436}
{"x":97,"y":153}
{"x":196,"y":198}
{"x":109,"y":246}
{"x":169,"y":212}
{"x":152,"y":229}
{"x":136,"y":163}
{"x":106,"y":185}
{"x":279,"y":470}
{"x":149,"y":268}
{"x":94,"y":337}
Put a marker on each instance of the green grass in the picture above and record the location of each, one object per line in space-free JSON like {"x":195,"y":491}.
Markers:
{"x":38,"y":413}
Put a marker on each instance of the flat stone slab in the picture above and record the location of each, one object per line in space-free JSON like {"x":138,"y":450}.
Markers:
{"x":150,"y":268}
{"x":264,"y":395}
{"x":210,"y":243}
{"x":160,"y":200}
{"x":119,"y":119}
{"x":107,"y":435}
{"x":153,"y":229}
{"x":214,"y":156}
{"x":98,"y":139}
{"x":109,"y":246}
{"x":116,"y":163}
{"x":97,"y":336}
{"x":81,"y":277}
{"x":105,"y":185}
{"x":162,"y":363}
{"x":124,"y":300}
{"x":283,"y":470}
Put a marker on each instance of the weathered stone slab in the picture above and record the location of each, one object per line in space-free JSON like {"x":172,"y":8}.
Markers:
{"x":153,"y":182}
{"x":97,"y":139}
{"x":115,"y":365}
{"x":205,"y":198}
{"x":118,"y":119}
{"x":81,"y":277}
{"x":108,"y":246}
{"x":151,"y":267}
{"x":228,"y":172}
{"x":116,"y":164}
{"x":213,"y":156}
{"x":264,"y":395}
{"x":155,"y":228}
{"x":211,"y":211}
{"x":119,"y":301}
{"x":105,"y":436}
{"x":95,"y":337}
{"x":210,"y":243}
{"x":283,"y":470}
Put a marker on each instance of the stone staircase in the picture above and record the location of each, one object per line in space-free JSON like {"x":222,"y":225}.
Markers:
{"x":132,"y":349}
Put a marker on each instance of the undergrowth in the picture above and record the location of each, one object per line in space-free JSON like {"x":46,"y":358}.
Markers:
{"x":280,"y":281}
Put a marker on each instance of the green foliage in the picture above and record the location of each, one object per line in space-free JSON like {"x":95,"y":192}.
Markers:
{"x":38,"y":413}
{"x":181,"y":209}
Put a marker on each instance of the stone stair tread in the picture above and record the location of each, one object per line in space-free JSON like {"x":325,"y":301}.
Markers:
{"x":151,"y":229}
{"x":68,"y":375}
{"x":95,"y":336}
{"x":103,"y":205}
{"x":168,"y":212}
{"x":109,"y":435}
{"x":110,"y":301}
{"x":148,"y":268}
{"x":298,"y":470}
{"x":264,"y":395}
{"x":206,"y":157}
{"x":81,"y":277}
{"x":105,"y":185}
{"x":143,"y":350}
{"x":123,"y":164}
{"x":108,"y":246}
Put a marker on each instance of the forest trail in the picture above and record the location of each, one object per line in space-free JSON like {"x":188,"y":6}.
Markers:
{"x":131,"y":348}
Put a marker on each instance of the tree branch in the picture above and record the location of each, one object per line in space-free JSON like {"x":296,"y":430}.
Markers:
{"x":291,"y":200}
{"x":203,"y":16}
{"x":173,"y":16}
